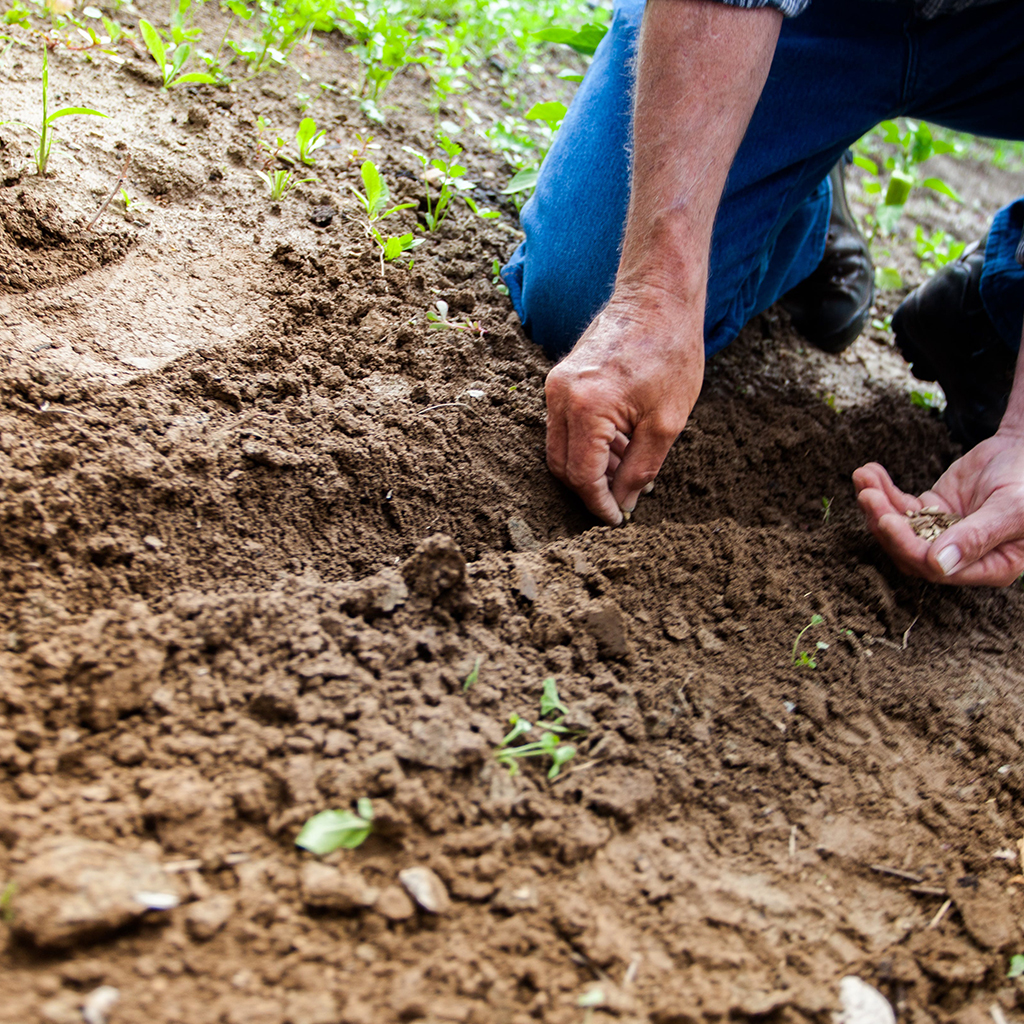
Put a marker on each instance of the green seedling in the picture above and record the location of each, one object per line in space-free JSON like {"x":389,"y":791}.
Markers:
{"x":171,"y":65}
{"x":583,"y":40}
{"x":450,"y":175}
{"x":914,"y":145}
{"x":281,"y":182}
{"x":182,"y":27}
{"x":888,"y":279}
{"x":127,"y":200}
{"x":936,"y":250}
{"x":826,"y":509}
{"x":803,"y":658}
{"x":239,"y":12}
{"x":550,"y":701}
{"x":337,"y":830}
{"x":926,"y":400}
{"x":441,"y":320}
{"x":474,"y":674}
{"x":549,"y":744}
{"x":1016,"y":969}
{"x":46,"y":129}
{"x":501,"y":287}
{"x":6,"y":899}
{"x":309,"y":140}
{"x":375,"y":201}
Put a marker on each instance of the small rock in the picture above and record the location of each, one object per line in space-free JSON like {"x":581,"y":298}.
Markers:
{"x":513,"y":899}
{"x":394,"y":904}
{"x":198,"y":116}
{"x":436,"y":566}
{"x":862,"y":1004}
{"x":709,"y":642}
{"x":326,"y":888}
{"x":75,"y":890}
{"x":426,"y":889}
{"x":152,"y":542}
{"x":205,"y":918}
{"x":322,"y":216}
{"x":521,"y":536}
{"x":99,"y":1003}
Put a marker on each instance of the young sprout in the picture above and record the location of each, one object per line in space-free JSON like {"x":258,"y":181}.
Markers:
{"x":333,"y":830}
{"x":281,"y":182}
{"x":178,"y":58}
{"x":309,"y":140}
{"x":375,"y":201}
{"x":474,"y":674}
{"x":46,"y":130}
{"x":803,"y":658}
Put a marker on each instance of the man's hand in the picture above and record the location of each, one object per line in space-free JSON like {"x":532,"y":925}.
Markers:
{"x":618,"y":401}
{"x":621,"y":397}
{"x":985,"y":487}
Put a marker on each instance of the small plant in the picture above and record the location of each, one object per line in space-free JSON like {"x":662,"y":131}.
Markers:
{"x":926,"y":400}
{"x":1016,"y":968}
{"x":375,"y":202}
{"x":501,"y":287}
{"x":178,"y":59}
{"x":826,"y":509}
{"x":46,"y":130}
{"x":337,"y":830}
{"x":309,"y":140}
{"x":441,"y":320}
{"x":548,"y":745}
{"x":7,"y":897}
{"x":450,"y":174}
{"x":936,"y":250}
{"x":474,"y":673}
{"x":281,"y":182}
{"x":803,"y":659}
{"x":914,"y":145}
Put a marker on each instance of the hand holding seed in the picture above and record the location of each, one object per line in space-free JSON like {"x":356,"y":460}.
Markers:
{"x":618,"y":401}
{"x":968,"y":529}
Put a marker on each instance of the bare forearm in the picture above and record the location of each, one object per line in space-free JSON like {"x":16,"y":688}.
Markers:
{"x":702,"y":67}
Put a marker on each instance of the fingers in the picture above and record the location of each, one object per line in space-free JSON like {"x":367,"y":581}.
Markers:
{"x":642,"y":461}
{"x":873,"y":477}
{"x":961,"y":554}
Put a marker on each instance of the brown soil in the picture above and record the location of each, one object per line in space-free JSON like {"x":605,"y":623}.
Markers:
{"x":259,"y":525}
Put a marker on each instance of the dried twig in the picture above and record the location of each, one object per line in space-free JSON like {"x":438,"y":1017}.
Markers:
{"x":113,"y":192}
{"x":909,"y":876}
{"x":940,"y":914}
{"x":446,"y":405}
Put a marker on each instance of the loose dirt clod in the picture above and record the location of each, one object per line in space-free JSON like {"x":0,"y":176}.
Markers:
{"x":73,"y":890}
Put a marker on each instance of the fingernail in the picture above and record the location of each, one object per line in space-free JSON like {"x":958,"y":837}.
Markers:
{"x":628,"y":510}
{"x":949,"y":558}
{"x":648,"y":488}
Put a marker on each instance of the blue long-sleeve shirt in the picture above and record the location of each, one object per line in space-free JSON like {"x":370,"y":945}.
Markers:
{"x":926,"y":8}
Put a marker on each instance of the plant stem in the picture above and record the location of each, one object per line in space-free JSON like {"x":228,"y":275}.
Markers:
{"x":113,"y":192}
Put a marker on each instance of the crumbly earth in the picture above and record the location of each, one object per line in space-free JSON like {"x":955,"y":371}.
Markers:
{"x":259,"y":521}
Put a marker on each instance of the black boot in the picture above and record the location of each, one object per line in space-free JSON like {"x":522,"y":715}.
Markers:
{"x":830,"y":307}
{"x":943,"y":331}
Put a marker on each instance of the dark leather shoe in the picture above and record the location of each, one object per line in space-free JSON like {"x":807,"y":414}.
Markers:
{"x":831,"y":306}
{"x":943,"y":331}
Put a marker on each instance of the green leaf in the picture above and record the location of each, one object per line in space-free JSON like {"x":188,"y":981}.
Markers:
{"x":567,"y":75}
{"x":194,"y":77}
{"x":377,"y":193}
{"x":1016,"y":966}
{"x":474,"y":674}
{"x":938,"y":185}
{"x":865,"y":163}
{"x":178,"y":58}
{"x":154,"y":43}
{"x":550,"y":112}
{"x":549,"y":700}
{"x":332,"y":830}
{"x":584,"y":41}
{"x":888,"y":279}
{"x":67,"y":111}
{"x":558,"y":757}
{"x":238,"y":9}
{"x":523,"y":180}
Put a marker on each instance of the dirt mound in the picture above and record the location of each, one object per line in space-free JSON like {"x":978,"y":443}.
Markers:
{"x":39,"y":249}
{"x":315,"y":556}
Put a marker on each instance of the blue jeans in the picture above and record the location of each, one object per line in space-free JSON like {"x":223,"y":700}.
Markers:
{"x":839,"y":69}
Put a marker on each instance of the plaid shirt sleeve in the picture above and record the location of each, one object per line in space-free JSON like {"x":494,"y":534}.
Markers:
{"x":790,"y":8}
